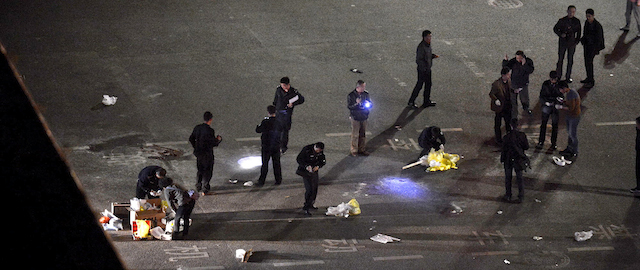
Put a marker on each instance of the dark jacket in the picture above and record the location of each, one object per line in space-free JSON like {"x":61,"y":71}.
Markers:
{"x":550,"y":93}
{"x":282,"y":98}
{"x":203,"y":140}
{"x":593,"y":37}
{"x":424,"y":56}
{"x":358,"y":111}
{"x":147,"y":179}
{"x":427,"y":140}
{"x":271,"y":134}
{"x":309,"y":157}
{"x":570,"y":27}
{"x":501,"y":91}
{"x":519,"y":72}
{"x":513,"y":146}
{"x":637,"y":141}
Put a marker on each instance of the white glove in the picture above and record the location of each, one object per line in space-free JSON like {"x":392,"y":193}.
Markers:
{"x":548,"y":104}
{"x":309,"y":169}
{"x":559,"y":107}
{"x":498,"y":102}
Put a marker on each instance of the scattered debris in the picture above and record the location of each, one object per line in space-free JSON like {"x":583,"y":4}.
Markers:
{"x":355,"y":70}
{"x":583,"y":236}
{"x":560,"y":161}
{"x":243,"y":255}
{"x":233,"y":181}
{"x":109,"y":100}
{"x":110,"y":222}
{"x":537,"y":238}
{"x":248,"y":184}
{"x":383,"y":238}
{"x":345,"y":209}
{"x":506,"y":261}
{"x":499,"y":212}
{"x":456,"y":209}
{"x":538,"y":201}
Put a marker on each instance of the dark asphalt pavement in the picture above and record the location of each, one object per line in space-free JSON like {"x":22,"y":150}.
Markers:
{"x":169,"y":61}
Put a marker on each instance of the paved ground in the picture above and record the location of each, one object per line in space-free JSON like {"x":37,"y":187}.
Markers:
{"x":170,"y":61}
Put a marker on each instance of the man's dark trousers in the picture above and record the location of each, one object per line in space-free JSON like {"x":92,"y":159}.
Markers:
{"x":274,"y":155}
{"x":284,"y":120}
{"x":205,"y":171}
{"x":563,"y":48}
{"x":183,"y":213}
{"x":589,"y":55}
{"x":424,"y":79}
{"x":508,"y":173}
{"x":311,"y":189}
{"x":505,"y":115}
{"x":546,"y":112}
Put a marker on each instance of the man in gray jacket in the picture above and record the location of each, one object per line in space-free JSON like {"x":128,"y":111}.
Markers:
{"x":181,"y":204}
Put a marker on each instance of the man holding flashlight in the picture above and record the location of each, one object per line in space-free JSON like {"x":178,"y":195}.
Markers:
{"x":359,"y":105}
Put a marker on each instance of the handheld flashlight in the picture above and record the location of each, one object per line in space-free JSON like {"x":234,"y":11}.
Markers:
{"x":367,"y":104}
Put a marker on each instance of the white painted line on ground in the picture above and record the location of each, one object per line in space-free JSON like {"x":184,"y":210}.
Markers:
{"x":445,"y":130}
{"x":392,"y":258}
{"x":494,"y":253}
{"x":344,"y":134}
{"x":298,"y":263}
{"x":616,"y":123}
{"x":589,"y":249}
{"x":248,"y":139}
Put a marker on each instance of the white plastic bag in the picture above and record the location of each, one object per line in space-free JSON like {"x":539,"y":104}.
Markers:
{"x":583,"y":236}
{"x":342,"y":210}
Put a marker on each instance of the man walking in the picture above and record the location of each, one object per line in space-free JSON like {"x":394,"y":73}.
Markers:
{"x":521,"y":66}
{"x":149,"y":182}
{"x":633,"y":6}
{"x":572,"y":106}
{"x":203,"y":140}
{"x":568,"y":30}
{"x":271,"y":134}
{"x":359,"y":103}
{"x":285,"y":99}
{"x":514,"y":159}
{"x":550,"y":95}
{"x":310,"y":160}
{"x":501,"y":103}
{"x":424,"y":59}
{"x":593,"y":43}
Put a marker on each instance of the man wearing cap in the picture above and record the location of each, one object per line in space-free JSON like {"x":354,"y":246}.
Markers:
{"x":310,"y":160}
{"x":148,"y":182}
{"x":286,"y":98}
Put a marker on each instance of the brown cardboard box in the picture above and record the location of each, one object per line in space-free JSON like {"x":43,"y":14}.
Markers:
{"x":155,"y":216}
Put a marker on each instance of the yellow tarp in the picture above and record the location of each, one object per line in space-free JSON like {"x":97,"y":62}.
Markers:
{"x":441,"y":161}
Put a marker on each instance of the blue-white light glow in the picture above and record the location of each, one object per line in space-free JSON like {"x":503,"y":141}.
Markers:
{"x":367,"y":104}
{"x":403,"y":187}
{"x":250,"y":162}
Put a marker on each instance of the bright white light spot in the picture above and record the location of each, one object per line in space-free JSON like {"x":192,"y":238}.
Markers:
{"x":250,"y":162}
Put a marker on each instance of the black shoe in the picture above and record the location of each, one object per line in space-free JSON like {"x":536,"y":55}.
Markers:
{"x":539,"y":145}
{"x":626,"y":28}
{"x":314,"y":208}
{"x":306,"y":212}
{"x":278,"y":183}
{"x":364,"y":153}
{"x":506,"y":198}
{"x":283,"y":150}
{"x":553,"y":147}
{"x":428,"y":104}
{"x":518,"y":200}
{"x":587,"y":81}
{"x":569,"y":80}
{"x":529,"y":112}
{"x":259,"y":184}
{"x":412,"y":106}
{"x":635,"y":189}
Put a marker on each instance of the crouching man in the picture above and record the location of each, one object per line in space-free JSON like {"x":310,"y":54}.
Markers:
{"x":181,"y":203}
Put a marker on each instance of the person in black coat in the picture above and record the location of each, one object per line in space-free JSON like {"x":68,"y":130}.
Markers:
{"x":424,"y":58}
{"x":310,"y":160}
{"x":270,"y":138}
{"x":514,"y":159}
{"x":521,"y":67}
{"x":203,"y":140}
{"x":550,"y":95}
{"x":637,"y":188}
{"x":431,"y":137}
{"x":286,"y":98}
{"x":149,"y":181}
{"x":568,"y":30}
{"x":359,"y":105}
{"x":593,"y":42}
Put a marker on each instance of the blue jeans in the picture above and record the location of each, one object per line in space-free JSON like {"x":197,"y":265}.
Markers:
{"x":572,"y":129}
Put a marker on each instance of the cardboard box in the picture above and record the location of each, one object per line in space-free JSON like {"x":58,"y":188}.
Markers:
{"x":120,"y":210}
{"x":155,"y":216}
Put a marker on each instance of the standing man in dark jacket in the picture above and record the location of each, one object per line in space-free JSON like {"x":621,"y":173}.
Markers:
{"x":359,"y":103}
{"x":271,"y":134}
{"x":568,"y":30}
{"x":501,"y":102}
{"x":514,"y":158}
{"x":148,"y":181}
{"x":431,"y":138}
{"x":285,"y":99}
{"x":637,"y":188}
{"x":550,"y":95}
{"x":203,"y":140}
{"x":521,"y":66}
{"x":180,"y":206}
{"x":424,"y":59}
{"x":593,"y":42}
{"x":310,"y":160}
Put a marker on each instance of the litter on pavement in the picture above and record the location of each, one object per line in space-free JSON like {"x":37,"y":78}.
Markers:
{"x":383,"y":238}
{"x":109,"y":100}
{"x":583,"y":235}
